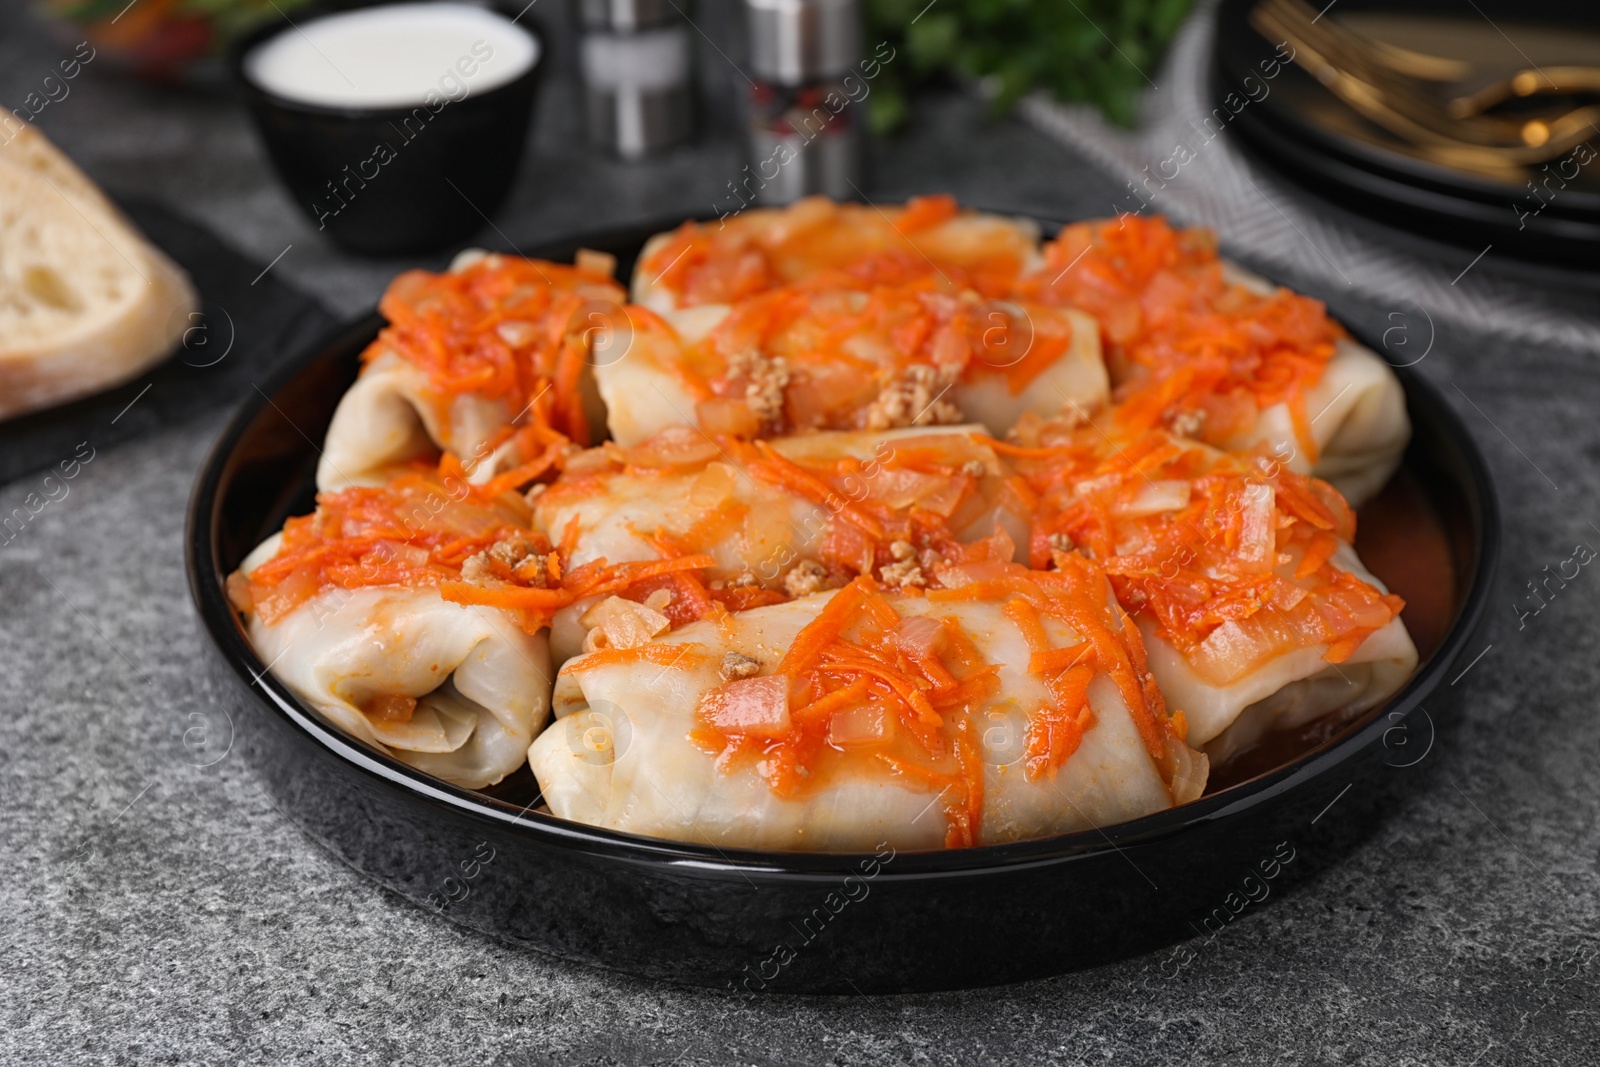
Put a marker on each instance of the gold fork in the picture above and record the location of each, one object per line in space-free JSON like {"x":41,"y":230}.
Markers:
{"x":1334,"y":56}
{"x":1562,"y":80}
{"x":1351,"y":56}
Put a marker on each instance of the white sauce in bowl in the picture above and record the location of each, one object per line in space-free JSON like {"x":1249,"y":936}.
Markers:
{"x":398,"y":55}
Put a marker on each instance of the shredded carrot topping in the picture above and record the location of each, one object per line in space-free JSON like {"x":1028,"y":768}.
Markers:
{"x":504,"y":328}
{"x":1232,"y":558}
{"x":431,"y":529}
{"x":867,"y":675}
{"x":834,"y":352}
{"x":746,"y":254}
{"x":1187,"y":346}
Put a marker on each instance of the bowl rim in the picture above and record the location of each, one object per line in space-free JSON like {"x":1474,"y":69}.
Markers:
{"x":226,"y":630}
{"x":259,"y":95}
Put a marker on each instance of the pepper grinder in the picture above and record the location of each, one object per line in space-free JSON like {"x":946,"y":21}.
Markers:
{"x":804,"y":125}
{"x":635,"y":59}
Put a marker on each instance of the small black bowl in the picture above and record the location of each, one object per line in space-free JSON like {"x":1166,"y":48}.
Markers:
{"x":753,"y":921}
{"x":385,"y":181}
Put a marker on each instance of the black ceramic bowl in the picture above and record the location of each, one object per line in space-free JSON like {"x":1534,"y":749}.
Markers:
{"x":392,"y":180}
{"x":767,"y":921}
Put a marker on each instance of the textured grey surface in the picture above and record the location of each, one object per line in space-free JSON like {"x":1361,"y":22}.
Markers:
{"x":158,"y":911}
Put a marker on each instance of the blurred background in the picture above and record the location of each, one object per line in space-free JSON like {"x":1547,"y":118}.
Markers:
{"x":154,"y":115}
{"x":207,"y":917}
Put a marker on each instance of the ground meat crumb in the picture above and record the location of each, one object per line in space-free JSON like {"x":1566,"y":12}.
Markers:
{"x":531,"y":572}
{"x":766,"y":379}
{"x":737,"y":665}
{"x":805,"y":578}
{"x":906,"y":570}
{"x":515,"y":557}
{"x":476,"y":569}
{"x":905,"y":574}
{"x":522,"y":558}
{"x":916,"y":397}
{"x":512,"y":550}
{"x":1060,"y":542}
{"x":1187,"y":423}
{"x":743,"y":580}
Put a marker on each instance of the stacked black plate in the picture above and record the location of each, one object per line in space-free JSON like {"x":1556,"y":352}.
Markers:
{"x":1549,"y":212}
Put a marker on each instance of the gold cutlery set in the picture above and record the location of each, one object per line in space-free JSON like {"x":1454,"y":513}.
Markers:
{"x":1448,"y":110}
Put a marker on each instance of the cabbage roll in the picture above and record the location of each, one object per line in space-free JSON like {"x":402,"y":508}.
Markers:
{"x":1239,"y":572}
{"x":1006,"y":705}
{"x":364,"y":611}
{"x":824,"y":355}
{"x":1199,"y":346}
{"x":490,"y":361}
{"x":782,"y":518}
{"x":716,"y":265}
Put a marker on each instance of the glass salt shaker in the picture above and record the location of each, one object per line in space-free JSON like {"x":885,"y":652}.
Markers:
{"x":635,"y":56}
{"x":804,"y":125}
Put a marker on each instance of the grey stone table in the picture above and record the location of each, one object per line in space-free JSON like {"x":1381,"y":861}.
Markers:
{"x":155,"y":911}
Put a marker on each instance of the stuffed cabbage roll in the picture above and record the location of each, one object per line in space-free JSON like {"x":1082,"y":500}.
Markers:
{"x":1210,"y":351}
{"x":826,"y":355}
{"x":1239,"y":572}
{"x":490,"y":360}
{"x":1009,"y":704}
{"x":718,"y":264}
{"x":778,"y":519}
{"x":365,"y":611}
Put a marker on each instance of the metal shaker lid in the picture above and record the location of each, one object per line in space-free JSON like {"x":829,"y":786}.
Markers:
{"x":626,"y":16}
{"x":795,"y":41}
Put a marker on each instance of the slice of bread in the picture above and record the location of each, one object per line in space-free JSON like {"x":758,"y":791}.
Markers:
{"x":23,"y":146}
{"x":86,"y":303}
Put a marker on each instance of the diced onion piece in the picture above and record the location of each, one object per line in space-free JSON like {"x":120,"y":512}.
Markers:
{"x":1257,"y":537}
{"x":401,"y":554}
{"x":592,"y":262}
{"x":920,"y":635}
{"x":713,"y":487}
{"x":1093,"y":486}
{"x":754,"y":706}
{"x":677,"y":446}
{"x":727,"y":415}
{"x":239,"y":594}
{"x":589,"y":461}
{"x":1189,"y":771}
{"x":465,"y":258}
{"x":1227,"y":651}
{"x":864,"y":724}
{"x":998,"y":546}
{"x":900,"y":489}
{"x":517,"y":333}
{"x":616,"y":622}
{"x":1154,"y":498}
{"x":1286,"y":596}
{"x":956,"y":575}
{"x":296,"y":588}
{"x":1237,"y":647}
